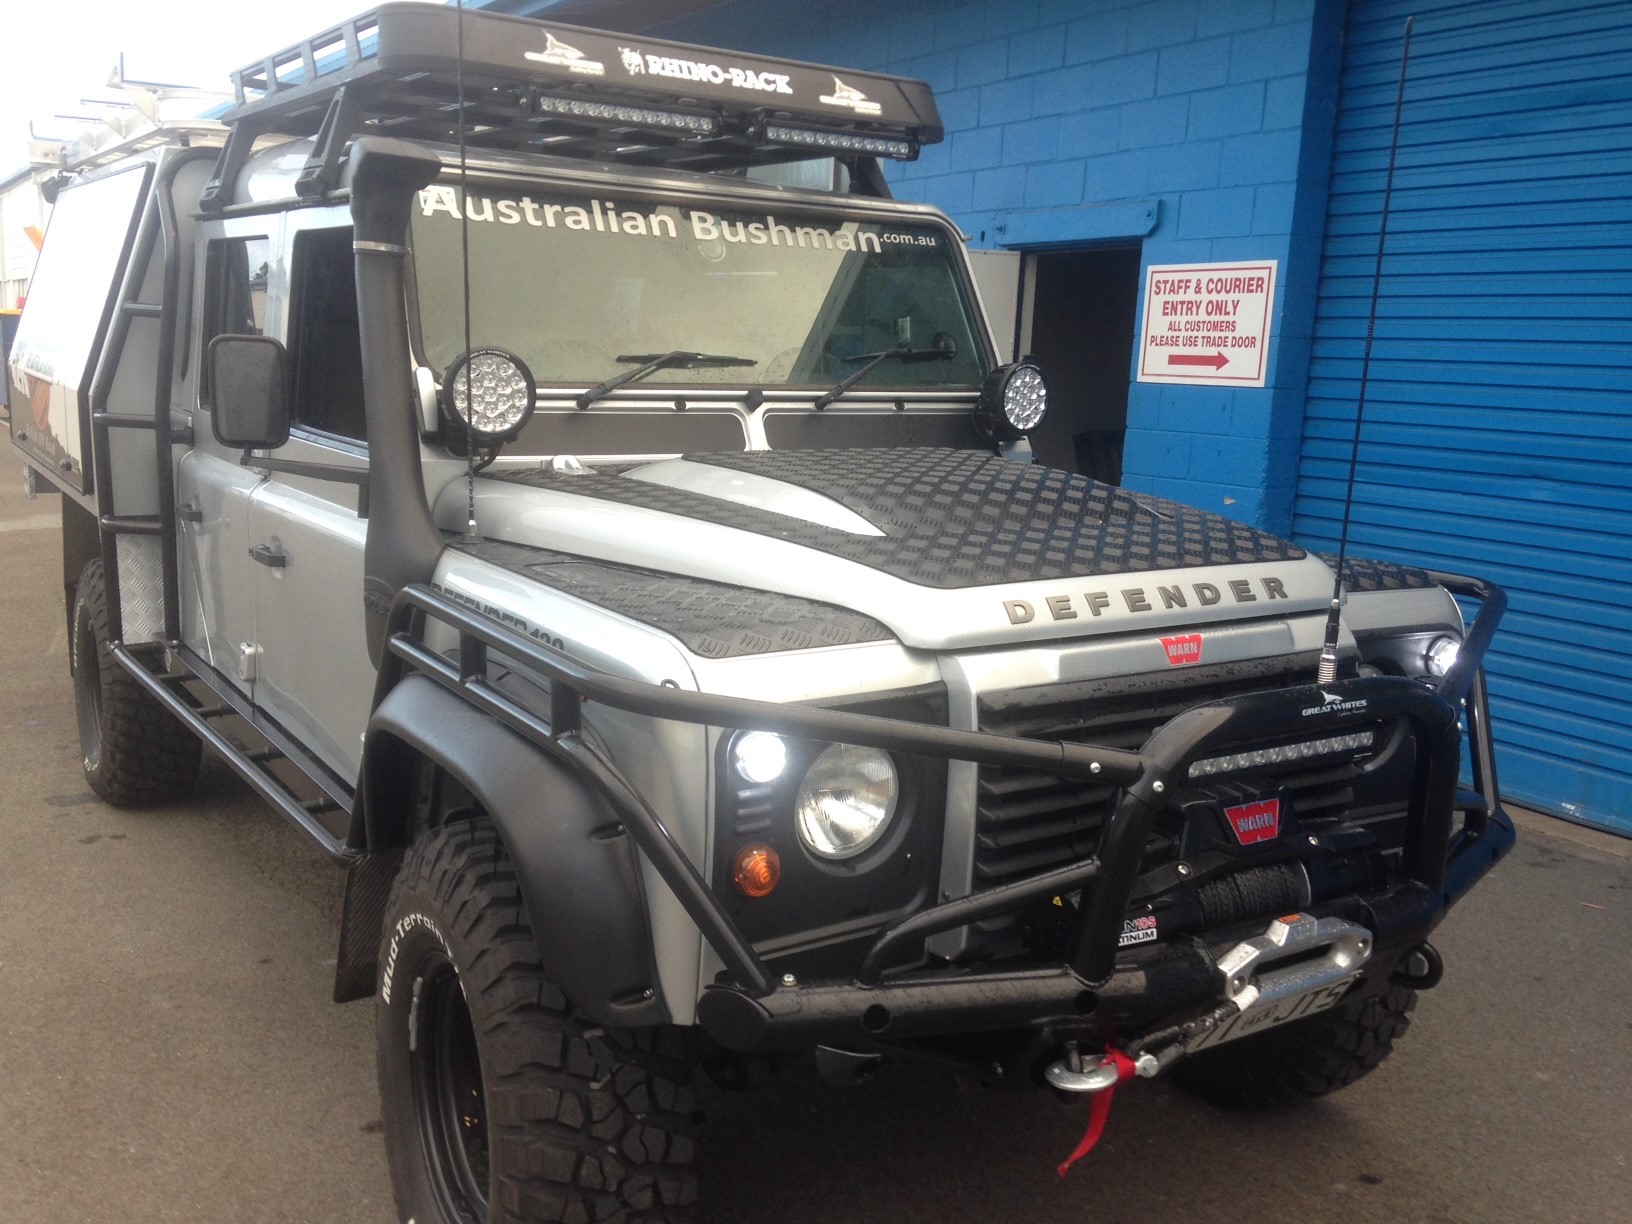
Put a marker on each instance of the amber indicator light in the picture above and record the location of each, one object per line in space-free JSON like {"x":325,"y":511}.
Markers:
{"x":756,"y":870}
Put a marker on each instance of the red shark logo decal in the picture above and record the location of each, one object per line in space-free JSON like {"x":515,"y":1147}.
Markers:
{"x":1183,"y":650}
{"x":1255,"y":822}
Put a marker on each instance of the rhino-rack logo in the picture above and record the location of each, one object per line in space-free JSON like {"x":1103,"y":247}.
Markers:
{"x":1333,"y":703}
{"x":639,"y":63}
{"x":1255,"y":822}
{"x":558,"y":54}
{"x":851,"y":98}
{"x":1184,"y":650}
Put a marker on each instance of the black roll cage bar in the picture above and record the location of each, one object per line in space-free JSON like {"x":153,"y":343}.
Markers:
{"x":1434,"y":714}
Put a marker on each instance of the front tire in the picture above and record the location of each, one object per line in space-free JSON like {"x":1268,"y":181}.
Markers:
{"x":1305,"y":1059}
{"x":134,"y":751}
{"x":501,"y":1105}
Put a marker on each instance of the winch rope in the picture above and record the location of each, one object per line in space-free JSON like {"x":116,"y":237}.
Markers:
{"x":1099,"y":1110}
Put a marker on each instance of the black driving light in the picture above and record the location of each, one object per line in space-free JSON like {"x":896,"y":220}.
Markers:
{"x":1013,"y":400}
{"x":487,"y":395}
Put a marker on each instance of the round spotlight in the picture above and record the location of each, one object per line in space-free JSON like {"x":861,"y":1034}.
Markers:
{"x":1440,"y":655}
{"x":1013,"y":401}
{"x":489,"y":393}
{"x":759,"y":756}
{"x":846,"y":800}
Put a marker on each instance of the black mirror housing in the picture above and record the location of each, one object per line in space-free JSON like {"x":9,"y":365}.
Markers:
{"x":248,"y":377}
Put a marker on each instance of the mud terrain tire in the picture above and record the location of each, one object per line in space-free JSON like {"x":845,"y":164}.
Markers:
{"x":1305,"y":1059}
{"x":499,"y":1103}
{"x":134,"y":751}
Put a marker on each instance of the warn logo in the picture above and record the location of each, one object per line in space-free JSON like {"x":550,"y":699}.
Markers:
{"x":1255,"y":822}
{"x":1184,"y":650}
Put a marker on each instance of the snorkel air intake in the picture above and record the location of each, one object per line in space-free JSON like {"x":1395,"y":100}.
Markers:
{"x":403,"y":543}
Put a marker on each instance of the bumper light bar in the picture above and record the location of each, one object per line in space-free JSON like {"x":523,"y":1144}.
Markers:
{"x":1283,"y":754}
{"x":841,"y":142}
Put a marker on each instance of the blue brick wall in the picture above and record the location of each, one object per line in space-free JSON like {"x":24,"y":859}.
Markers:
{"x":1212,"y":118}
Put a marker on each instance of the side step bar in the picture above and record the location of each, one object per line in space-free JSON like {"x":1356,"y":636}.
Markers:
{"x":250,"y":766}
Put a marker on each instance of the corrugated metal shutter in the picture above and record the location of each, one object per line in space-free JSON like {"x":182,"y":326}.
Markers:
{"x":1498,"y":434}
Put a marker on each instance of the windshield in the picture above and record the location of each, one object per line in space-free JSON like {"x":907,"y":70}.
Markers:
{"x":571,"y":284}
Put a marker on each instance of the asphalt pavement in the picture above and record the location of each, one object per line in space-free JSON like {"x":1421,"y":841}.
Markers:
{"x":168,"y":1051}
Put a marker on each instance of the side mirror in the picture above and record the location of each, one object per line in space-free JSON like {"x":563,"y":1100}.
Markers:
{"x":249,"y":391}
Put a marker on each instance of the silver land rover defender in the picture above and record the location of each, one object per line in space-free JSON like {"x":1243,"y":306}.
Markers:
{"x":624,"y":561}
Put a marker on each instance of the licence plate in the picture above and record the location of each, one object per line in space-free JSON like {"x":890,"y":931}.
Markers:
{"x":1280,"y":1011}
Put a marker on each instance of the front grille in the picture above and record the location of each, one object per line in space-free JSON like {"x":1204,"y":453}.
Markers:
{"x":1028,"y":821}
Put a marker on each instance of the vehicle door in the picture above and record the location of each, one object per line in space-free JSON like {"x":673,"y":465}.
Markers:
{"x":306,"y":534}
{"x":237,"y":294}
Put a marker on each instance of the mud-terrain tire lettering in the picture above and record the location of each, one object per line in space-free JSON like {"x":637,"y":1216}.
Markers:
{"x":580,"y":1122}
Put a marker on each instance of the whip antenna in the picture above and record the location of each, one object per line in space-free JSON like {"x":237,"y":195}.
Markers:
{"x":1327,"y":671}
{"x":472,"y":536}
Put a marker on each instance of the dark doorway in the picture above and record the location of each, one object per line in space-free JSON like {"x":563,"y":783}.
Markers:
{"x":1083,"y":315}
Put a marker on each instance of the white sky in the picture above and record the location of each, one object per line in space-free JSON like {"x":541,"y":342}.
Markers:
{"x":56,"y":52}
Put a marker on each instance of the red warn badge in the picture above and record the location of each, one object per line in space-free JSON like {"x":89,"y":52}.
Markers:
{"x":1184,"y":650}
{"x":1255,"y":822}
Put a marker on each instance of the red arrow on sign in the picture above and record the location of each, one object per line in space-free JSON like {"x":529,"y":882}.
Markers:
{"x":1218,"y":361}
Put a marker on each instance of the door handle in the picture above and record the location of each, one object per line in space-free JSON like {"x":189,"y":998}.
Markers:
{"x":269,"y":555}
{"x":189,"y":513}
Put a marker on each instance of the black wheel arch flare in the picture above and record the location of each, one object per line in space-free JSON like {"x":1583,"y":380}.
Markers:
{"x":576,"y":865}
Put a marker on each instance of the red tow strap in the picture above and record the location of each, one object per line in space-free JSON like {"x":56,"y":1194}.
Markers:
{"x":1099,"y":1109}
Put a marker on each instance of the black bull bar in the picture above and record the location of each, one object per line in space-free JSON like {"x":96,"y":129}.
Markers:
{"x":754,"y":1009}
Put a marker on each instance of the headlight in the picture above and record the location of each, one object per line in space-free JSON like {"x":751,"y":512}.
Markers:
{"x":845,"y":803}
{"x":1012,"y":401}
{"x":490,"y":393}
{"x":1440,"y":655}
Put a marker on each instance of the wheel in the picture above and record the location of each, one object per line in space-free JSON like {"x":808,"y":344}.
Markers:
{"x":499,"y":1103}
{"x":1304,"y":1059}
{"x":134,"y":750}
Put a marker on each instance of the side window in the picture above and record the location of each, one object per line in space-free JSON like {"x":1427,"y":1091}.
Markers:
{"x":324,"y":344}
{"x":235,"y":271}
{"x":235,"y":291}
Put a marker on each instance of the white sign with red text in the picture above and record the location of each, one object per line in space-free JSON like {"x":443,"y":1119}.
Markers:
{"x":1207,"y":323}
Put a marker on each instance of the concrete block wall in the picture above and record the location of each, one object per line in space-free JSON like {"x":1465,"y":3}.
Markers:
{"x":1199,"y":129}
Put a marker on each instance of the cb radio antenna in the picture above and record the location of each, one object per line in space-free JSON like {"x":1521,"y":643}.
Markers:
{"x":1327,"y":671}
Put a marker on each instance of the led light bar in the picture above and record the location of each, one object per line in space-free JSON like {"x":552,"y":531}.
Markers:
{"x":1282,"y":755}
{"x":579,"y":108}
{"x":841,"y":142}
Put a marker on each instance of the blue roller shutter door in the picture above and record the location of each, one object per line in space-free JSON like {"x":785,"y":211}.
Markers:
{"x":1498,"y":435}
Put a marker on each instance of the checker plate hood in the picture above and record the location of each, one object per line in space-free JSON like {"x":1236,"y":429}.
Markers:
{"x":948,"y":548}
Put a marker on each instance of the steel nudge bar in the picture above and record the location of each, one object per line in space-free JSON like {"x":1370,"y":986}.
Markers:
{"x":1107,"y":878}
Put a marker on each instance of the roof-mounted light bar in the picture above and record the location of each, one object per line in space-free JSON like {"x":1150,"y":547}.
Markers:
{"x":640,"y":116}
{"x":841,"y":142}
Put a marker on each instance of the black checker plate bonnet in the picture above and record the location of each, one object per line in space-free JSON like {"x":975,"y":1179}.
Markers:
{"x":1360,"y":574}
{"x":956,"y":518}
{"x":714,"y":620}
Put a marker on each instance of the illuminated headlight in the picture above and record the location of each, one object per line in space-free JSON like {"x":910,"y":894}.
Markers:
{"x":1282,"y":754}
{"x":1012,"y":401}
{"x":845,"y":803}
{"x":1440,"y":655}
{"x":759,"y":757}
{"x":491,"y":393}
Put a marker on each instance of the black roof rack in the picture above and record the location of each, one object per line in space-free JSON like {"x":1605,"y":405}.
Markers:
{"x":534,"y":86}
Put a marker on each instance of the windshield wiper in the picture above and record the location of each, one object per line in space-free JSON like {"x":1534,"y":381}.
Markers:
{"x":652,"y":362}
{"x":904,"y":355}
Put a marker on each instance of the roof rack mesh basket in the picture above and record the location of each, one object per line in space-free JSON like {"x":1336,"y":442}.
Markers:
{"x":531,"y":86}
